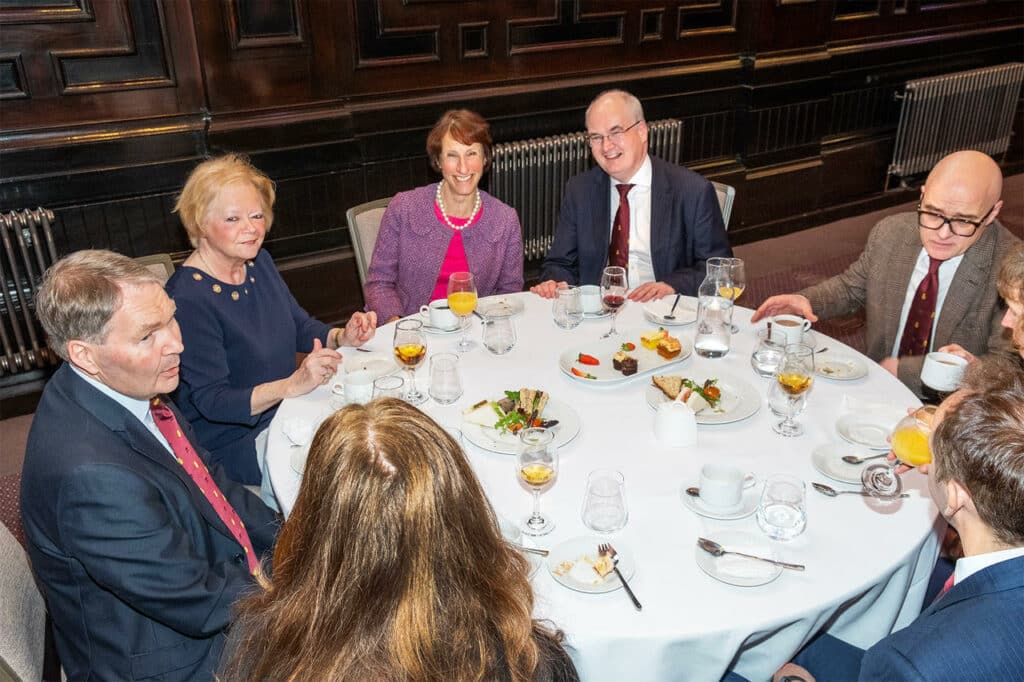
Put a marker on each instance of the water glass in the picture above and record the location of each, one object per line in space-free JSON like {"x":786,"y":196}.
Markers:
{"x":567,"y":308}
{"x":782,"y":513}
{"x":445,"y":381}
{"x":767,"y":355}
{"x":388,"y":387}
{"x":604,"y":505}
{"x":499,"y":333}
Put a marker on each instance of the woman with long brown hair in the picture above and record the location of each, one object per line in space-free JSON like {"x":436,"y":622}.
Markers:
{"x":391,"y":567}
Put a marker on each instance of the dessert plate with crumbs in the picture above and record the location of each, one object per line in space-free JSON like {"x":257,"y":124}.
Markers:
{"x":573,"y":564}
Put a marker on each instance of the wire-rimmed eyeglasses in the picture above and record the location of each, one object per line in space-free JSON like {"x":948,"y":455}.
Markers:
{"x":961,"y":227}
{"x":615,"y":136}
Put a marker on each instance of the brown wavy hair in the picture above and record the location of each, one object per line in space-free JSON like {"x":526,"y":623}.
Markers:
{"x":390,"y":567}
{"x":466,"y":127}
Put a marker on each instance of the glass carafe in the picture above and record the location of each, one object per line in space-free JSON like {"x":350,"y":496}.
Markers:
{"x":714,"y":314}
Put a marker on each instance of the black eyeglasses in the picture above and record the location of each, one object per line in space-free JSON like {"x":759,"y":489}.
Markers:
{"x":961,"y":227}
{"x":615,"y":136}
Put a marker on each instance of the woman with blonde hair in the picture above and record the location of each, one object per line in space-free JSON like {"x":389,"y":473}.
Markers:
{"x":1011,"y":288}
{"x":391,"y":567}
{"x":240,"y":325}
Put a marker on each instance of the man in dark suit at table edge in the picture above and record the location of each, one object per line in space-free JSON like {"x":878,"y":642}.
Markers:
{"x":670,"y":225}
{"x":139,"y":549}
{"x":973,"y":630}
{"x":926,"y":280}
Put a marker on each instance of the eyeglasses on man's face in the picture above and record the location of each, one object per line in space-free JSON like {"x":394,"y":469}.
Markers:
{"x":961,"y":227}
{"x":614,"y":136}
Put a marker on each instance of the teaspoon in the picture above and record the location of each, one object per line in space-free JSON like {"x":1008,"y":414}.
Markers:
{"x":854,"y":459}
{"x":715,"y":549}
{"x":670,"y":316}
{"x":832,"y":492}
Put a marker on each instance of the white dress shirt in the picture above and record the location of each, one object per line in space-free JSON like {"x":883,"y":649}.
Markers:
{"x":946,"y":273}
{"x":138,"y":408}
{"x":969,"y":565}
{"x":641,"y":268}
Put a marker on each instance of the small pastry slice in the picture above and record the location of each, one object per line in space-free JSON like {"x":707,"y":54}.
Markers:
{"x":669,"y":347}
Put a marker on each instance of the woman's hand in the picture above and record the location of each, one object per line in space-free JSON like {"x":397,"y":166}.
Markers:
{"x":316,"y":369}
{"x":360,"y":328}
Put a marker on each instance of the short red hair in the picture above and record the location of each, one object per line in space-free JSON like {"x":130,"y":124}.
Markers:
{"x":466,"y":127}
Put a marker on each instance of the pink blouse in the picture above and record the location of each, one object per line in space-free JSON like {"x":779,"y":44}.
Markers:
{"x":455,"y":258}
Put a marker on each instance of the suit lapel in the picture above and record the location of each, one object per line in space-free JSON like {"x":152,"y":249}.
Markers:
{"x":602,"y":224}
{"x":901,"y":267}
{"x":968,"y":283}
{"x":1005,"y":575}
{"x":661,"y":207}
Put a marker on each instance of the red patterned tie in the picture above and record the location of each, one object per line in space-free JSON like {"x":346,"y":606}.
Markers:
{"x":618,"y":250}
{"x":917,"y":333}
{"x":187,"y":458}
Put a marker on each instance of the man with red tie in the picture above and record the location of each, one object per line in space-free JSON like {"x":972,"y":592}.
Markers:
{"x":973,"y":630}
{"x":139,"y":549}
{"x":658,"y":220}
{"x":926,"y":279}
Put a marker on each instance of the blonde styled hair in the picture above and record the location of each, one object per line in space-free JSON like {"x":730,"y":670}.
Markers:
{"x":206,"y":181}
{"x":1011,"y":274}
{"x":390,"y":567}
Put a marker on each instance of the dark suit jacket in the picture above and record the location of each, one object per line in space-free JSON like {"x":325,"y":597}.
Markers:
{"x":686,"y":228}
{"x":973,"y":632}
{"x":138,"y":571}
{"x":878,"y":280}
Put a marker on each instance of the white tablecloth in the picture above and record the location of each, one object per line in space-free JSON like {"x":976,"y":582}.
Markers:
{"x":867,"y":562}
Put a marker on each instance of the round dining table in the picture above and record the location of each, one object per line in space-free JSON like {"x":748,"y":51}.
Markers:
{"x":867,"y":561}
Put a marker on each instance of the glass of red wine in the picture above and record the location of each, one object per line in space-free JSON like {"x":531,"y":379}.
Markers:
{"x":613,"y":293}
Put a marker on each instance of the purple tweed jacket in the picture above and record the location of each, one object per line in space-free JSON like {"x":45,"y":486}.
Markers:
{"x":412,"y":243}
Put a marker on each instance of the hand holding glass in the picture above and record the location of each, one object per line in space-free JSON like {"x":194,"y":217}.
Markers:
{"x":910,"y":445}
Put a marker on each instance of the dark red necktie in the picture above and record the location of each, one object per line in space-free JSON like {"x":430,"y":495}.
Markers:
{"x":917,"y":333}
{"x":618,"y":250}
{"x":187,"y":458}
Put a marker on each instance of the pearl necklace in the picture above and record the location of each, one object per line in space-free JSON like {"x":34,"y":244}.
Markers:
{"x":444,"y":214}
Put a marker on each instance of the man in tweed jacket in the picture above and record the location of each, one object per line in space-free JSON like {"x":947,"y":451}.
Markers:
{"x":964,"y":187}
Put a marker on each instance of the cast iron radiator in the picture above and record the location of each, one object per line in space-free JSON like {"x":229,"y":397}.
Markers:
{"x":26,"y":250}
{"x":943,"y":114}
{"x":530,"y":176}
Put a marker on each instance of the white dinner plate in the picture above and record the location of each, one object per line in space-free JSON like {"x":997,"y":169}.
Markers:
{"x":508,"y":443}
{"x":737,"y":570}
{"x":828,"y":459}
{"x":866,"y":428}
{"x":839,"y":366}
{"x":740,"y":399}
{"x":567,"y":564}
{"x":685,"y":313}
{"x":500,"y":305}
{"x":377,"y":364}
{"x":648,"y":361}
{"x":747,"y":504}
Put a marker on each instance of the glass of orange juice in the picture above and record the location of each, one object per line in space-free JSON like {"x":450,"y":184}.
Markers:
{"x":462,"y":301}
{"x":910,"y":445}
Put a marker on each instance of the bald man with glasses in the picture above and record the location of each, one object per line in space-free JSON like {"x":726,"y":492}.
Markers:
{"x":926,"y":279}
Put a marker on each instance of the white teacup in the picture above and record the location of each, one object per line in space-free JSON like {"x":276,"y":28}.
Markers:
{"x":675,"y":425}
{"x":722,"y":485}
{"x":590,"y":298}
{"x":440,"y":315}
{"x":943,"y":371}
{"x":357,"y":387}
{"x":789,"y":328}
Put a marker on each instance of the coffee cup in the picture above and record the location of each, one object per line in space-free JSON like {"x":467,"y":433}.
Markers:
{"x":722,"y":485}
{"x":590,"y":298}
{"x":356,"y":387}
{"x":675,"y":425}
{"x":942,"y":371}
{"x":440,"y":315}
{"x":787,"y":329}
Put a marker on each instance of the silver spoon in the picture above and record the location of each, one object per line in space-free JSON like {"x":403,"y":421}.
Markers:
{"x":531,"y":550}
{"x":821,"y":350}
{"x":670,"y":316}
{"x":715,"y":549}
{"x":832,"y":492}
{"x":854,"y":459}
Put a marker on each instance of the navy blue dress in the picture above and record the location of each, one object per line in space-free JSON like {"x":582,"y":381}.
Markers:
{"x":236,"y":337}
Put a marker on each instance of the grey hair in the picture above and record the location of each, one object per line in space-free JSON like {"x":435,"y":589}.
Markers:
{"x":632,"y":103}
{"x":82,"y":291}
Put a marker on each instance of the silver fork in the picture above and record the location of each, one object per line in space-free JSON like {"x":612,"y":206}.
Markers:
{"x":606,"y":549}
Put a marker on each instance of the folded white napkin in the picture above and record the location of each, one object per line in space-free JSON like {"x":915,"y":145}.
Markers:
{"x":297,"y":430}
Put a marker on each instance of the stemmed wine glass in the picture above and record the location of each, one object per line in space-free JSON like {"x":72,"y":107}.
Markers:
{"x":613,"y":293}
{"x":410,"y":349}
{"x":462,"y":301}
{"x":537,"y":465}
{"x":910,"y":445}
{"x":794,"y":378}
{"x":738,"y":276}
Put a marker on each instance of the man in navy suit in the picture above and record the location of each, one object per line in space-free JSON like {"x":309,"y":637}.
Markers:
{"x":133,"y":553}
{"x":974,"y":630}
{"x":674,"y":221}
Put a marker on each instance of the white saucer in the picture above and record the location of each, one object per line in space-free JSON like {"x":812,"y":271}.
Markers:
{"x":503,"y":305}
{"x":809,"y":338}
{"x":866,"y":428}
{"x":377,"y":364}
{"x":839,"y":366}
{"x":574,"y":549}
{"x":737,"y":570}
{"x":746,"y":506}
{"x":430,"y":329}
{"x":828,"y":459}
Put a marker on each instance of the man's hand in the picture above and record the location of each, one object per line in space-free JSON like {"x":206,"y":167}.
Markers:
{"x":959,"y":351}
{"x":891,"y":365}
{"x":650,"y":291}
{"x":548,"y":289}
{"x":792,"y":304}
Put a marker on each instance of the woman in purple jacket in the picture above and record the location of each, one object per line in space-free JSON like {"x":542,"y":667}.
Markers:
{"x":451,"y":226}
